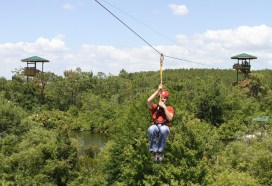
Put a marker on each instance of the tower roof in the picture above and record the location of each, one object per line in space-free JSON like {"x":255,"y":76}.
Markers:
{"x":243,"y":56}
{"x":34,"y":59}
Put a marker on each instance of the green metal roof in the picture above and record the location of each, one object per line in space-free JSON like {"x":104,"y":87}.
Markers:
{"x":243,"y":56}
{"x":34,"y":59}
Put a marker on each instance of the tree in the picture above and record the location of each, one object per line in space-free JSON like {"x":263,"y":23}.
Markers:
{"x":11,"y":119}
{"x":209,"y":106}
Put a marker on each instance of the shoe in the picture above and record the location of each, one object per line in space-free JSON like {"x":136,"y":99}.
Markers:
{"x":155,"y":156}
{"x":160,"y":156}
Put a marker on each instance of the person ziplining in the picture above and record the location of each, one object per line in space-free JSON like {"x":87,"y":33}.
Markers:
{"x":161,"y":116}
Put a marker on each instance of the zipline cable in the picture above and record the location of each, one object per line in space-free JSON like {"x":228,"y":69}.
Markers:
{"x":140,"y":22}
{"x":128,"y":27}
{"x":148,"y":42}
{"x":189,"y":61}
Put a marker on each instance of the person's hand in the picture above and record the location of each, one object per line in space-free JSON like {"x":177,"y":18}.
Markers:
{"x":159,"y":90}
{"x":161,"y":104}
{"x":160,"y":87}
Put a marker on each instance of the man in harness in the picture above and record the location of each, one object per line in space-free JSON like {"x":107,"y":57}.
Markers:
{"x":160,"y":128}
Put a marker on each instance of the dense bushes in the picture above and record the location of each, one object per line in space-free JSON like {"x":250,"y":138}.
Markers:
{"x":209,"y":141}
{"x":11,"y":117}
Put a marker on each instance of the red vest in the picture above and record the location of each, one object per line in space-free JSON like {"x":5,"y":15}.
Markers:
{"x":158,"y":115}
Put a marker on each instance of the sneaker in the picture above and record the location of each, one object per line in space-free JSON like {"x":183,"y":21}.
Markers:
{"x":160,"y":156}
{"x":155,"y":156}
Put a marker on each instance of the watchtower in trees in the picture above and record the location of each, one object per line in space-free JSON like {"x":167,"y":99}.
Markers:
{"x":31,"y":69}
{"x":243,"y":64}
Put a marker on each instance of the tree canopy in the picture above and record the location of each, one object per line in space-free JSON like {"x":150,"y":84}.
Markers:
{"x":217,"y":135}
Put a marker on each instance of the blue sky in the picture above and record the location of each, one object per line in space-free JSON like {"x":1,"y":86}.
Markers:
{"x":80,"y":33}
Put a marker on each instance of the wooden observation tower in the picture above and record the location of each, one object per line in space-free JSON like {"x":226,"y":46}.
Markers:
{"x":31,"y":69}
{"x":243,"y":64}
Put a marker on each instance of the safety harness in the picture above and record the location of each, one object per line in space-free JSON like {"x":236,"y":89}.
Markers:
{"x":159,"y":112}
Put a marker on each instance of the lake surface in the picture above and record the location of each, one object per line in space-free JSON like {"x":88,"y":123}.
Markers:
{"x":86,"y":138}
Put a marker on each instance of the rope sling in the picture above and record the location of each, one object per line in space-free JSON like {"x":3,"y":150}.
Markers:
{"x":158,"y":108}
{"x":161,"y":63}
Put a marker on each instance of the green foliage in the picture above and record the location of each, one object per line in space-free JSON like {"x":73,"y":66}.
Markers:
{"x":92,"y":151}
{"x":63,"y":163}
{"x":209,"y":106}
{"x":95,"y":113}
{"x":250,"y":156}
{"x":61,"y":92}
{"x":53,"y":119}
{"x":11,"y":119}
{"x":257,"y":86}
{"x":234,"y":178}
{"x":189,"y":151}
{"x":41,"y":157}
{"x":26,"y":95}
{"x":208,"y":142}
{"x":3,"y":83}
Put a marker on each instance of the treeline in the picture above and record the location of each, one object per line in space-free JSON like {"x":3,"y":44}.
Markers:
{"x":217,"y":136}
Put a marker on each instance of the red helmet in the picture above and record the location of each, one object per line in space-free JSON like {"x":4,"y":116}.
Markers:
{"x":165,"y":93}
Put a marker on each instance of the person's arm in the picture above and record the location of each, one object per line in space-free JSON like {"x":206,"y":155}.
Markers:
{"x":169,"y":116}
{"x":152,"y":97}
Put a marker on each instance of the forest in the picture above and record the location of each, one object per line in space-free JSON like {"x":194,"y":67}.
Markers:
{"x":221,"y":133}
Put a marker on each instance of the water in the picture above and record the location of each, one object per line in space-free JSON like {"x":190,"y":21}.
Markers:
{"x":86,"y":138}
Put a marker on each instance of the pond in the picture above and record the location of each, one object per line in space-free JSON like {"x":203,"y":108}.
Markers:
{"x":86,"y":138}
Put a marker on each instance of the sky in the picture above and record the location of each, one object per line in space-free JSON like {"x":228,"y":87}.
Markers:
{"x":83,"y":34}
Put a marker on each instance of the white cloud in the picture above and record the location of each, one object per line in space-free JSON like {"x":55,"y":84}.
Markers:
{"x":178,"y":9}
{"x":213,"y":47}
{"x":12,"y":53}
{"x":68,"y":6}
{"x":53,"y":45}
{"x":243,"y":36}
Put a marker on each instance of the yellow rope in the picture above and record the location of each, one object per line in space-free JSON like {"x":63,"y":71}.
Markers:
{"x":161,"y":63}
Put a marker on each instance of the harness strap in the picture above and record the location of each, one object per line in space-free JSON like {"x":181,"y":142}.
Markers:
{"x":155,"y":120}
